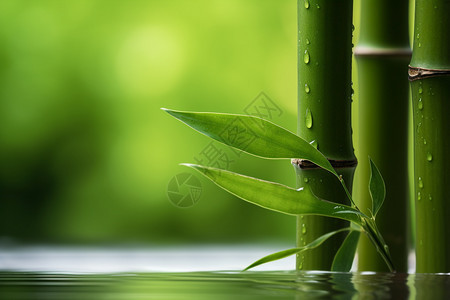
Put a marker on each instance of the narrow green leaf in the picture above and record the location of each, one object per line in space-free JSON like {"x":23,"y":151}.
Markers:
{"x":343,"y":259}
{"x":285,"y":253}
{"x":277,"y":197}
{"x":253,"y":135}
{"x":377,"y":188}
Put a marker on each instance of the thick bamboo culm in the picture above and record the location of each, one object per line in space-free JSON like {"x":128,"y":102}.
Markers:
{"x":324,"y":115}
{"x":382,"y":55}
{"x":429,"y":74}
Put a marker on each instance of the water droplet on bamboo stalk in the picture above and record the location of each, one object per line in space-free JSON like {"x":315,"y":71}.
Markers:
{"x":429,"y":156}
{"x":308,"y":119}
{"x":430,"y":198}
{"x":314,"y":143}
{"x":419,"y":196}
{"x":300,"y":265}
{"x":303,"y":228}
{"x":306,"y":57}
{"x":420,"y":44}
{"x":386,"y":248}
{"x":420,"y":183}
{"x":306,"y":4}
{"x":420,"y":104}
{"x":424,"y":141}
{"x":420,"y":90}
{"x":307,"y":42}
{"x":318,"y":6}
{"x":307,"y":89}
{"x":306,"y":180}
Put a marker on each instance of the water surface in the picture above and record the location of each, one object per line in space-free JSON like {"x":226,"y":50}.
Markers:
{"x":123,"y":273}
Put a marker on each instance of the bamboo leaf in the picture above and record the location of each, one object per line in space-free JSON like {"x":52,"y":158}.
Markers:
{"x":277,"y":197}
{"x":377,"y":188}
{"x":343,"y":259}
{"x":253,"y":135}
{"x":285,"y":253}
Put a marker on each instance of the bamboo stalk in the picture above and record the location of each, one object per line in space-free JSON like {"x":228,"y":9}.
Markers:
{"x":324,"y":114}
{"x":430,"y":85}
{"x":382,"y":57}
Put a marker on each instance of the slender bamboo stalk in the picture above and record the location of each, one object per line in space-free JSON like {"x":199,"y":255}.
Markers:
{"x":324,"y":114}
{"x":382,"y":56}
{"x":430,"y":84}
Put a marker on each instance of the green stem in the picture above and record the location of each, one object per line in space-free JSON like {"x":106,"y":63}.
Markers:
{"x":324,"y":114}
{"x":382,"y":56}
{"x":430,"y":86}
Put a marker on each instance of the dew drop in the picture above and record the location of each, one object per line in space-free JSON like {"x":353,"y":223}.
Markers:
{"x":430,"y":198}
{"x":424,"y":141}
{"x":307,"y":89}
{"x":420,"y":183}
{"x":303,"y":228}
{"x":306,"y":180}
{"x":419,"y":196}
{"x":306,"y":4}
{"x":306,"y":57}
{"x":420,"y":104}
{"x":318,"y":6}
{"x":420,"y":44}
{"x":314,"y":143}
{"x":300,"y":265}
{"x":429,"y":156}
{"x":420,"y":90}
{"x":418,"y":35}
{"x":309,"y":118}
{"x":308,"y":42}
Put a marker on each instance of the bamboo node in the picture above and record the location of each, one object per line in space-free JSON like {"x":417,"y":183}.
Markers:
{"x":384,"y":52}
{"x":336,"y":164}
{"x":415,"y":73}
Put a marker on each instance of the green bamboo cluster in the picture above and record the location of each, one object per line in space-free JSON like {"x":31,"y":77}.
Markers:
{"x":382,"y":57}
{"x":324,"y":178}
{"x":430,"y":85}
{"x":324,"y":115}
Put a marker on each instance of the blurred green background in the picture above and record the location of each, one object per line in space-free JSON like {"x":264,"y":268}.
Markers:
{"x":86,"y":154}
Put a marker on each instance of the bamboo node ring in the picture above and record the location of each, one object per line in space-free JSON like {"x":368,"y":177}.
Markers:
{"x":336,"y":164}
{"x":421,"y":73}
